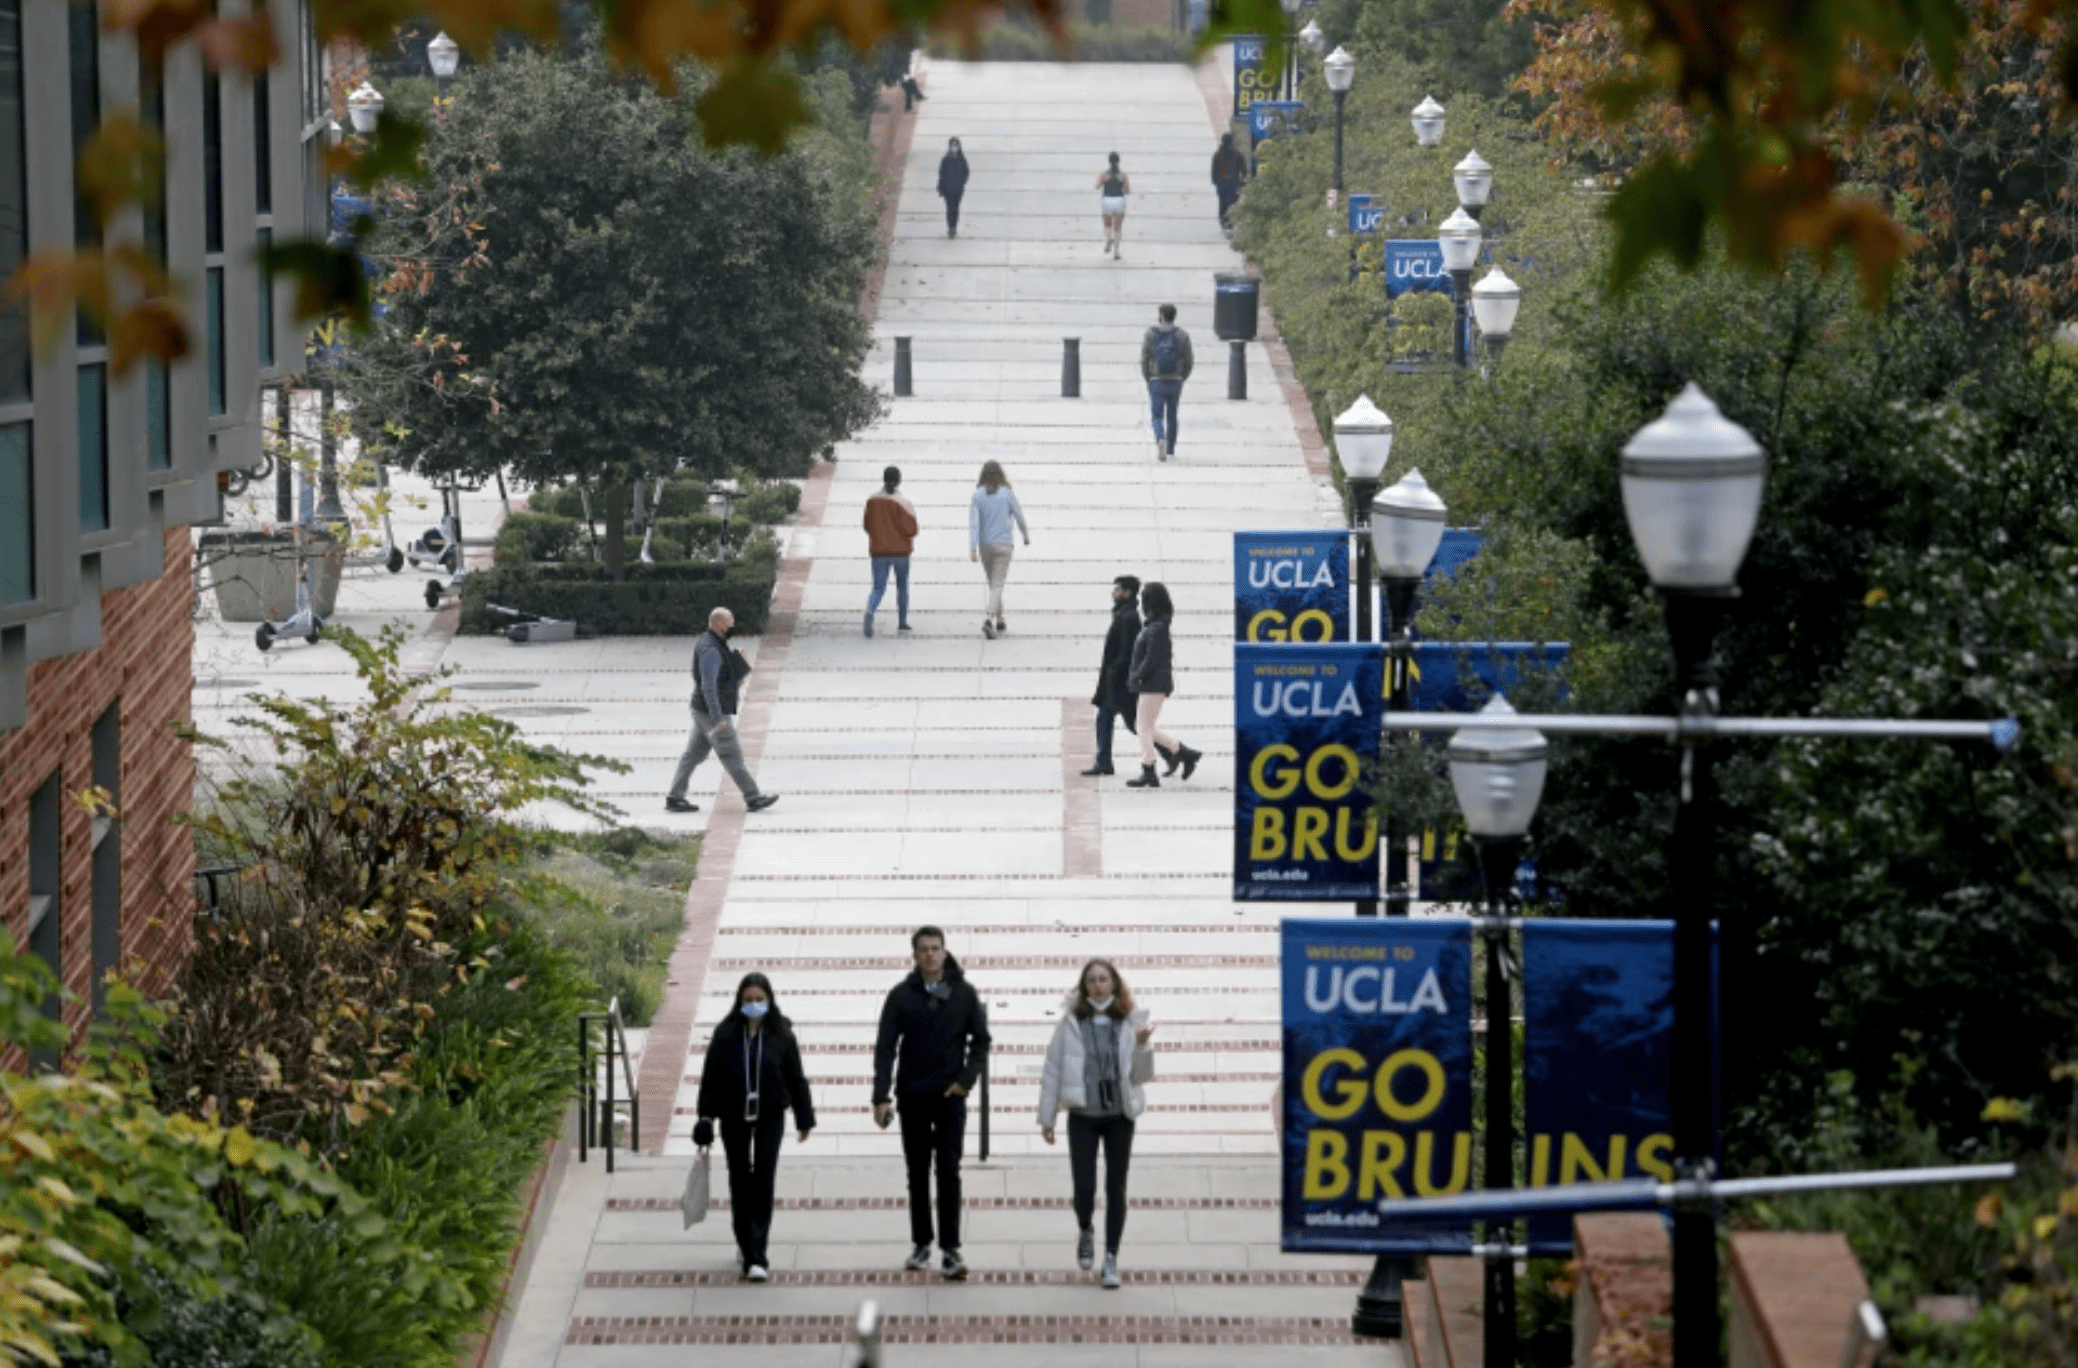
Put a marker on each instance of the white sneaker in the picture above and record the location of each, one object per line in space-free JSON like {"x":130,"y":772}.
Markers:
{"x":1161,"y":451}
{"x":1111,"y":1278}
{"x":758,"y":1273}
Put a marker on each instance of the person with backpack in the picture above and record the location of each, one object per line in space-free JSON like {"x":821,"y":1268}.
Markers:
{"x":1165,"y":362}
{"x":890,"y":537}
{"x":931,"y":1051}
{"x":751,"y":1079}
{"x":1229,"y":169}
{"x":1096,"y":1064}
{"x":1113,"y":700}
{"x":952,"y":183}
{"x":1113,"y":185}
{"x":1152,"y":678}
{"x":718,"y":674}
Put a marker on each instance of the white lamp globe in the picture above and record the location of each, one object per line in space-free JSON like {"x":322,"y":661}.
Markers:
{"x":1692,"y":482}
{"x":1341,"y":70}
{"x":444,"y":55}
{"x":1475,"y":180}
{"x":1363,"y":439}
{"x":364,"y":107}
{"x":1498,"y":774}
{"x":1406,"y":528}
{"x":1312,"y":37}
{"x":1428,"y":122}
{"x":1459,"y":236}
{"x":1495,"y":301}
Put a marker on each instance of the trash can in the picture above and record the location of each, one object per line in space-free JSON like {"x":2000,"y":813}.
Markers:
{"x":1234,"y":299}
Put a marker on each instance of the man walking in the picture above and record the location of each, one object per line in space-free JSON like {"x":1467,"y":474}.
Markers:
{"x":1229,"y":169}
{"x":934,"y":1041}
{"x":1113,"y":699}
{"x":718,"y":671}
{"x":1165,"y":362}
{"x":890,"y":537}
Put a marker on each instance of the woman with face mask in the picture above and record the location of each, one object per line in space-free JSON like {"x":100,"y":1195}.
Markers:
{"x":1095,"y":1066}
{"x":952,"y":183}
{"x":752,"y":1077}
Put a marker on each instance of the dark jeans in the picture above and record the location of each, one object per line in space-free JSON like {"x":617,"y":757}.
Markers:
{"x":1116,"y":1134}
{"x":1105,"y":715}
{"x":753,"y":1155}
{"x":952,"y":213}
{"x":881,"y":565}
{"x":1162,"y":398}
{"x":1228,"y":192}
{"x":934,"y":1132}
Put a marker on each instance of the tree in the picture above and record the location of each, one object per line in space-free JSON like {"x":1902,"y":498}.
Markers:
{"x":611,"y":307}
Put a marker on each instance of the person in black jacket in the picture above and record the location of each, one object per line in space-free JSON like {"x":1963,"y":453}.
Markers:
{"x":752,"y":1077}
{"x":934,"y":1043}
{"x":1152,"y":676}
{"x":952,"y":183}
{"x":1113,"y":699}
{"x":1229,"y":169}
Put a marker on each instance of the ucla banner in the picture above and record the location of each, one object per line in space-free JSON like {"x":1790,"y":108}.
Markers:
{"x":1414,"y":266}
{"x":1459,"y":545}
{"x":1459,"y":676}
{"x":1251,"y":81}
{"x":1306,"y":726}
{"x":1597,"y":1049}
{"x":1366,"y":213}
{"x":1269,"y":119}
{"x":1291,"y":586}
{"x":1377,"y":1095}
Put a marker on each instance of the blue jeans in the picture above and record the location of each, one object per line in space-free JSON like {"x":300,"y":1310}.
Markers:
{"x":881,"y":565}
{"x":1162,"y":398}
{"x":1105,"y":717}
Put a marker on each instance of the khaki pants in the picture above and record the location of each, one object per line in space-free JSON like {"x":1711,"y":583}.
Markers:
{"x":1150,"y":734}
{"x":995,"y":563}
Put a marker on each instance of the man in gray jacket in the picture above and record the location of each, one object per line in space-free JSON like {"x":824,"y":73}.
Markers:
{"x":717,"y":673}
{"x":1165,"y":363}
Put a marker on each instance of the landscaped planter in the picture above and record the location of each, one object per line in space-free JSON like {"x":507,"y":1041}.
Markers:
{"x":668,"y":599}
{"x":254,"y":573}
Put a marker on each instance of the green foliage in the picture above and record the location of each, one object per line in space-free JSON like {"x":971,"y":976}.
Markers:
{"x":524,"y":538}
{"x":1013,"y":42}
{"x":1456,"y":47}
{"x":699,"y":538}
{"x":672,"y":598}
{"x":771,"y":502}
{"x":1544,"y":1315}
{"x":221,"y":1333}
{"x":614,"y":902}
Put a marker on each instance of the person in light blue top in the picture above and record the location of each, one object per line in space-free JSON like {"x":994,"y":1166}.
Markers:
{"x":989,"y":518}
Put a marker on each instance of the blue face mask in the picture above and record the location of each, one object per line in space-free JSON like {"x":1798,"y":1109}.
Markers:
{"x":754,"y":1010}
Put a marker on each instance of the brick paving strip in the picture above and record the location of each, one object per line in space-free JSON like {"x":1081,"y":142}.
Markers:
{"x":976,"y":963}
{"x":1287,"y":1330}
{"x":638,"y":1278}
{"x":970,"y":1203}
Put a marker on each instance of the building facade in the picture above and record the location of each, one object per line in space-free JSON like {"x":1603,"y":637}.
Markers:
{"x":102,"y":475}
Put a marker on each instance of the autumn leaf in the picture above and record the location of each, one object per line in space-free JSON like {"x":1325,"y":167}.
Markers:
{"x":754,"y":102}
{"x":2003,"y":1109}
{"x":1988,"y":1208}
{"x":153,"y":328}
{"x":238,"y":44}
{"x":123,"y":163}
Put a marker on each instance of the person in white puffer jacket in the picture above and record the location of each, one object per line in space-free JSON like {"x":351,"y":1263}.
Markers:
{"x":1096,"y":1064}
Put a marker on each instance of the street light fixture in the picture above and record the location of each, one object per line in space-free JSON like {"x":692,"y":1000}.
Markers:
{"x":1291,"y":46}
{"x":364,"y":107}
{"x":1495,"y":302}
{"x":1475,"y":181}
{"x":1364,"y":442}
{"x":1340,"y":70}
{"x":1428,"y":122}
{"x":1312,"y":37}
{"x":1498,"y":775}
{"x":1692,"y":483}
{"x":444,"y":55}
{"x":1459,"y":237}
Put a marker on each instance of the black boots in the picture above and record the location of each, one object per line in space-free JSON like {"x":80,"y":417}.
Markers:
{"x":1101,"y":767}
{"x":1146,"y":779}
{"x":1184,"y":756}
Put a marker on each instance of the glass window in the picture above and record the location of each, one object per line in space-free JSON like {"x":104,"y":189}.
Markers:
{"x":216,"y":341}
{"x":84,"y":19}
{"x":151,"y":108}
{"x":266,"y":300}
{"x":14,"y":203}
{"x":263,"y":144}
{"x":158,"y":416}
{"x":93,"y":448}
{"x":17,"y":515}
{"x":213,"y":163}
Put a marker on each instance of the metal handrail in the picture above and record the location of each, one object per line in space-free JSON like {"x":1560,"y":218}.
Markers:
{"x":2000,"y":733}
{"x":594,"y":1113}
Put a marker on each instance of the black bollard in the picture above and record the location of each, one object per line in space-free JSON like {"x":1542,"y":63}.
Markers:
{"x":1071,"y":368}
{"x":1237,"y":370}
{"x":902,"y":380}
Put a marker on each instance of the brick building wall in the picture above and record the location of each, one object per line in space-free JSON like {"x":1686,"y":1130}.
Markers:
{"x":142,"y":669}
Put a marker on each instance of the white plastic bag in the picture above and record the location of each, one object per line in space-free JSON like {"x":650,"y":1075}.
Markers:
{"x":693,"y":1206}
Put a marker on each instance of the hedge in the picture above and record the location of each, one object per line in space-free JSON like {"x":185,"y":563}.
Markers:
{"x":760,"y":501}
{"x":524,"y":538}
{"x":1012,"y":42}
{"x":670,"y":599}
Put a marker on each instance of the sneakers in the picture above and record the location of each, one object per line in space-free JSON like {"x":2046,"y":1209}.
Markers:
{"x":952,"y":1267}
{"x":1101,"y":767}
{"x":757,"y":1273}
{"x":1171,"y":451}
{"x":1002,"y":628}
{"x":919,"y":1259}
{"x":761,"y":802}
{"x":680,"y":805}
{"x":1111,"y":1278}
{"x":1085,"y":1250}
{"x":1146,"y":779}
{"x":869,"y":624}
{"x":903,"y":627}
{"x":1161,"y":449}
{"x":988,"y":629}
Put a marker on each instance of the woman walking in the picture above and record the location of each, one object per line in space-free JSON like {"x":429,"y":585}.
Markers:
{"x":1095,"y":1066}
{"x":751,"y":1079}
{"x":1152,"y":676}
{"x":952,"y":183}
{"x":989,"y":517}
{"x":1113,"y":186}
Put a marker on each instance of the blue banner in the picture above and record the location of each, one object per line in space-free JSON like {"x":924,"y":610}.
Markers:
{"x":1377,"y":1093}
{"x":1268,"y":119}
{"x":1459,"y":545}
{"x":1598,"y":1010}
{"x":1306,"y":727}
{"x":1291,"y":586}
{"x":1414,"y":266}
{"x":1252,"y":81}
{"x":1366,"y":215}
{"x":1460,"y":676}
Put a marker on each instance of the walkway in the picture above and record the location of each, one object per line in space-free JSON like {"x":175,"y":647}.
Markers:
{"x":931,"y":778}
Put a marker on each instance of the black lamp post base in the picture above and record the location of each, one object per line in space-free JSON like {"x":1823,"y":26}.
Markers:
{"x":1381,"y":1309}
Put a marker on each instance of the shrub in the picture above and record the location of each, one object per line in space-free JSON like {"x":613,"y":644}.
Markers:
{"x":669,"y":599}
{"x":1012,"y":42}
{"x":615,"y":904}
{"x":698,"y":537}
{"x":772,"y":502}
{"x":525,"y":538}
{"x":684,"y":496}
{"x":564,"y":501}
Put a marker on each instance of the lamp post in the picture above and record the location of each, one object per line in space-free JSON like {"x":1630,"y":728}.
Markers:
{"x":444,"y":55}
{"x":364,"y":107}
{"x":1692,"y":493}
{"x":1364,"y":442}
{"x":1495,"y":302}
{"x":1499,"y":777}
{"x":1459,"y":237}
{"x":1474,"y":178}
{"x":1291,"y":47}
{"x":1312,"y":37}
{"x":1428,"y":122}
{"x":1340,"y":69}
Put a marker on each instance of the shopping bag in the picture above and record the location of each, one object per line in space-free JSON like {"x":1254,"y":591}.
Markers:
{"x":693,"y":1206}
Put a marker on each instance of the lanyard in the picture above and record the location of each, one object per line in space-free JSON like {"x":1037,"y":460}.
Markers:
{"x":752,"y":1078}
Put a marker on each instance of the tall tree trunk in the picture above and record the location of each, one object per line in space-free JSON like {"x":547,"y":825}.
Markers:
{"x":616,"y":496}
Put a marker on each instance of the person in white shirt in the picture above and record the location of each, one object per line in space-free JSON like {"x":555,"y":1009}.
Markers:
{"x":1096,"y":1064}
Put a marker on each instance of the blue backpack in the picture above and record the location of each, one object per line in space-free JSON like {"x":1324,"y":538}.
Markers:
{"x":1167,"y":352}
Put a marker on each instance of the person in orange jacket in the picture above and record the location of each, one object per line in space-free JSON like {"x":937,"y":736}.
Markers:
{"x":890,"y":537}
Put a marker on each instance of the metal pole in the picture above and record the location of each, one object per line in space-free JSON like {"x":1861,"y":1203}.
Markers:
{"x":1399,"y":607}
{"x":1460,"y":310}
{"x":284,"y":474}
{"x":1237,"y":370}
{"x":609,"y":1093}
{"x":1361,"y":494}
{"x":2001,"y":733}
{"x":1497,"y":862}
{"x":902,"y":376}
{"x":1071,"y":368}
{"x":584,"y":1087}
{"x":1340,"y":95}
{"x":1643,"y":1194}
{"x":328,"y":455}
